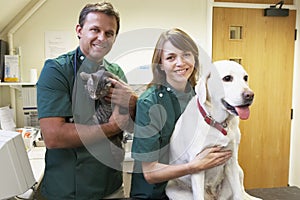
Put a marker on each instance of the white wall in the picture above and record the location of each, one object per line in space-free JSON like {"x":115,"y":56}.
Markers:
{"x":56,"y":15}
{"x":193,"y":16}
{"x":294,"y":175}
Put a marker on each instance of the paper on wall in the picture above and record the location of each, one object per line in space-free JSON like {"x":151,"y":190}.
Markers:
{"x":57,"y":43}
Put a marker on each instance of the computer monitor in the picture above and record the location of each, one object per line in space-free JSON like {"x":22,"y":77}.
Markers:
{"x":16,"y":175}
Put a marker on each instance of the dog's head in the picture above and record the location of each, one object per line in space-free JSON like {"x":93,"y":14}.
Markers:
{"x":224,"y":87}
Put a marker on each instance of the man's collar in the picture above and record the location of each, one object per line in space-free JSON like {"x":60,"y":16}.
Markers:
{"x":81,"y":58}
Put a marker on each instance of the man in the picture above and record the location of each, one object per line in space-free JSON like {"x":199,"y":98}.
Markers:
{"x":79,"y":162}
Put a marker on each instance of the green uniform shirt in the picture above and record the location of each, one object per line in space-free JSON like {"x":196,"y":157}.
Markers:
{"x":74,"y":173}
{"x":158,"y":109}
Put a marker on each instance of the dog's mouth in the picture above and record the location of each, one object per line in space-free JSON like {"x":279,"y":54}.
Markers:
{"x":242,"y":111}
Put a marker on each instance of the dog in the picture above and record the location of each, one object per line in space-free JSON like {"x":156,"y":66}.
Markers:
{"x":211,"y":118}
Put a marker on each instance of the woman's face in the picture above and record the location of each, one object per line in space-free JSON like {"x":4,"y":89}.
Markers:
{"x":177,"y":64}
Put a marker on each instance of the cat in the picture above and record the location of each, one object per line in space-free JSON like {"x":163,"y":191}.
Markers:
{"x":97,"y":85}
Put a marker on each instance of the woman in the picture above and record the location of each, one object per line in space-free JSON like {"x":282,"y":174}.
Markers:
{"x":175,"y":66}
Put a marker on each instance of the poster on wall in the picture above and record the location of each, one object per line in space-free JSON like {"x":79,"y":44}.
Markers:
{"x":57,"y":43}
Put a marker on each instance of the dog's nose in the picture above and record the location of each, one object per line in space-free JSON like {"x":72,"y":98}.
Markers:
{"x":248,"y":95}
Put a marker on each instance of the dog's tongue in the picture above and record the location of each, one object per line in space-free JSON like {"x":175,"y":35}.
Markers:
{"x":243,"y":112}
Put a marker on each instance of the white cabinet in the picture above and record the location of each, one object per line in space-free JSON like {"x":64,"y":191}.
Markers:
{"x":21,"y":97}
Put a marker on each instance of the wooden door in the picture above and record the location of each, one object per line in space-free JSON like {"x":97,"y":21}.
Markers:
{"x":265,"y":47}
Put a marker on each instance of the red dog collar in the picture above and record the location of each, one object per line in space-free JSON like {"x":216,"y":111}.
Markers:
{"x":211,"y":121}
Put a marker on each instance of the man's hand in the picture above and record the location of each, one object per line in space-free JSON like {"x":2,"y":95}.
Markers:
{"x":119,"y":121}
{"x":122,"y":95}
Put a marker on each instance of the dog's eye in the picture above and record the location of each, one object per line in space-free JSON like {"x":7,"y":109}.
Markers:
{"x":246,"y":78}
{"x":228,"y":78}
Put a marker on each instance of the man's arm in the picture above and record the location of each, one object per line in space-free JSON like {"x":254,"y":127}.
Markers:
{"x":57,"y":133}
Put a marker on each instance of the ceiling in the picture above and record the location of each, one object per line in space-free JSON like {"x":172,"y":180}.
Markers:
{"x":9,"y":10}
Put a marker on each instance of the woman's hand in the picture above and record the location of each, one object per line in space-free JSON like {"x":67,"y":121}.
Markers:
{"x":208,"y":158}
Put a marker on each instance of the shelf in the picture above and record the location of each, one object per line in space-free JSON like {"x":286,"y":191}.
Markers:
{"x":15,"y":83}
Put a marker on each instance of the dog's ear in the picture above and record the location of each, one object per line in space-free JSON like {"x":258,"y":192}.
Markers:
{"x":201,"y":88}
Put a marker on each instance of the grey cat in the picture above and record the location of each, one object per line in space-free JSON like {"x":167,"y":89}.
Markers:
{"x":98,"y":86}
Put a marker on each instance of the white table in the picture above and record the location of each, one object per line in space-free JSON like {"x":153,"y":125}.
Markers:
{"x":36,"y":157}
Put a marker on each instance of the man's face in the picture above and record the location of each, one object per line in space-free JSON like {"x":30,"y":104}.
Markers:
{"x":97,"y":35}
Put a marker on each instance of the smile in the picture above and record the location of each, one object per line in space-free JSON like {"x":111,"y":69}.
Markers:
{"x":99,"y":46}
{"x":181,"y":71}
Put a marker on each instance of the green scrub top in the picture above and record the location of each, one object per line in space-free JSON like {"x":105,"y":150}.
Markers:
{"x":158,"y":109}
{"x":74,"y":173}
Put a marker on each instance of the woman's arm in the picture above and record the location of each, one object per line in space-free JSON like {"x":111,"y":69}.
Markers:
{"x":155,"y":172}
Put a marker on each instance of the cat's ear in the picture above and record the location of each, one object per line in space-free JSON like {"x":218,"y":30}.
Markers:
{"x":95,"y":77}
{"x":84,"y":76}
